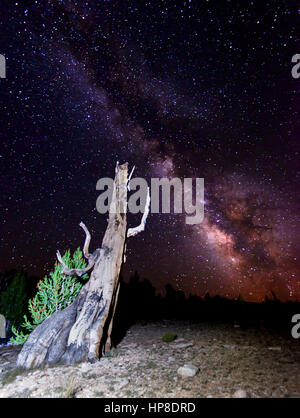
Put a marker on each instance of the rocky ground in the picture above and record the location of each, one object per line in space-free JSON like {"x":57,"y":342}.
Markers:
{"x":231,"y":362}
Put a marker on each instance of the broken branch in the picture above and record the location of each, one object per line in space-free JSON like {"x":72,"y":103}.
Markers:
{"x":87,"y":240}
{"x":74,"y":272}
{"x":129,"y":178}
{"x":141,"y":227}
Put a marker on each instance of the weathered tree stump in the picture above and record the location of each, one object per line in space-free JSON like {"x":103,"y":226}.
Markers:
{"x":81,"y":332}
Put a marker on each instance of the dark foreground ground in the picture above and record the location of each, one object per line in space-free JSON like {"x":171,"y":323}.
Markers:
{"x":259,"y":362}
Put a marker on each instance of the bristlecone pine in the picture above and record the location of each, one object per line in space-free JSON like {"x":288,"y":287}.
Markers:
{"x":81,"y":332}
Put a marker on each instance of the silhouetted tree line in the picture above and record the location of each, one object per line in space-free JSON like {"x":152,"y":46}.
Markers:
{"x":138,"y":301}
{"x":16,"y":288}
{"x":6,"y":277}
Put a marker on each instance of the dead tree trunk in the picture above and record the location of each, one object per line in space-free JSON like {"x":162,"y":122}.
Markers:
{"x":81,"y":332}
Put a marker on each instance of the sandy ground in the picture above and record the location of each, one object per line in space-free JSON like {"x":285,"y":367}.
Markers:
{"x":260,"y":362}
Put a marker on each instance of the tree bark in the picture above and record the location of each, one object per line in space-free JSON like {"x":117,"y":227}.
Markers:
{"x":81,"y":332}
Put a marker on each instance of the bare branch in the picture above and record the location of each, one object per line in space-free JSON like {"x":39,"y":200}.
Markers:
{"x":91,"y":257}
{"x":129,"y":178}
{"x":141,"y":227}
{"x":87,"y":240}
{"x":74,"y":272}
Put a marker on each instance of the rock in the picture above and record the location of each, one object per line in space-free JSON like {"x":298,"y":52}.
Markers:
{"x":188,"y":370}
{"x":170,"y":359}
{"x":228,"y":346}
{"x":2,"y":326}
{"x":240,"y":393}
{"x":186,"y":345}
{"x":36,"y":373}
{"x":274,"y":348}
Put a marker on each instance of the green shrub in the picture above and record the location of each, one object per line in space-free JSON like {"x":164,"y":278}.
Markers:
{"x":169,"y":337}
{"x":13,"y":299}
{"x":55,"y":293}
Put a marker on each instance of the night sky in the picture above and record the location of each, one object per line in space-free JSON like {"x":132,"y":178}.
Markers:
{"x":178,"y":89}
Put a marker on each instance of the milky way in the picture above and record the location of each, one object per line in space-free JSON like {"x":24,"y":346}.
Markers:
{"x":178,"y":89}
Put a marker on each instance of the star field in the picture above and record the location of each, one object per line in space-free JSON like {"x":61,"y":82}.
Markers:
{"x":178,"y":89}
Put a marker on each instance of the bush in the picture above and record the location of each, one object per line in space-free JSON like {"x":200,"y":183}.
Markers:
{"x":13,"y":299}
{"x":169,"y":337}
{"x":55,"y":293}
